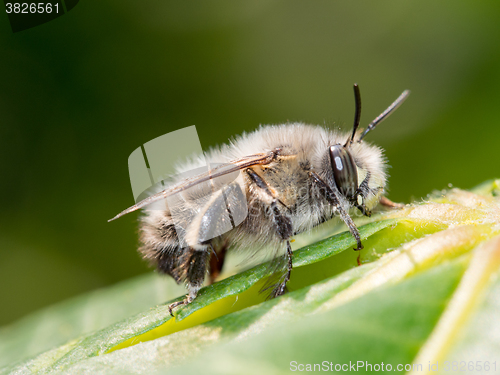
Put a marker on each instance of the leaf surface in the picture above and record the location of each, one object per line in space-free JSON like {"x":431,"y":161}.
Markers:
{"x":429,"y":277}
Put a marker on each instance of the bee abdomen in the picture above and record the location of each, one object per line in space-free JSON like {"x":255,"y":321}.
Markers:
{"x":161,"y":247}
{"x":167,"y":263}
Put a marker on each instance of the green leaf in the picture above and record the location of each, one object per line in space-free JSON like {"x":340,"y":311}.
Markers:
{"x":55,"y":325}
{"x":428,"y":270}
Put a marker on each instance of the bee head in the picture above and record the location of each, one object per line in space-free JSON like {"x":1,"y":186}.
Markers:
{"x":345,"y":171}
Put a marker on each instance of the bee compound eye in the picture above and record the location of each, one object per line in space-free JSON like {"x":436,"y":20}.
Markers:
{"x":344,"y":169}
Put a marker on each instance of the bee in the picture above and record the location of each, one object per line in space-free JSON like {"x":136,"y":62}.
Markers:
{"x":273,"y":183}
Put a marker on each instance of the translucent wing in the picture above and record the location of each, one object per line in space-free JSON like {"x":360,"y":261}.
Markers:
{"x":222,"y":170}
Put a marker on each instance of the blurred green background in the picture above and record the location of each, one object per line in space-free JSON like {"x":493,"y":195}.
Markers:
{"x":80,"y":93}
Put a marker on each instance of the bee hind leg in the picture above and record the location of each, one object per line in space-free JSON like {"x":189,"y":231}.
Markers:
{"x":171,"y":307}
{"x":194,"y":267}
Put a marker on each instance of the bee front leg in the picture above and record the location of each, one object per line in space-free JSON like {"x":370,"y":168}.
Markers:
{"x":283,"y":226}
{"x":363,"y":191}
{"x":361,"y":194}
{"x":332,"y":198}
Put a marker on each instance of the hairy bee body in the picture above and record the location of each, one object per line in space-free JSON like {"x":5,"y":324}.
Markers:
{"x":273,"y":183}
{"x":300,"y":202}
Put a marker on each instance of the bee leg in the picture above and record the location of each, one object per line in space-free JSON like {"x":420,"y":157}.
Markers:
{"x":362,"y":192}
{"x":332,"y":198}
{"x":388,"y":203}
{"x":280,"y":288}
{"x":194,"y":267}
{"x":217,"y":262}
{"x":171,"y":307}
{"x":360,"y":196}
{"x":283,"y":226}
{"x":194,"y":260}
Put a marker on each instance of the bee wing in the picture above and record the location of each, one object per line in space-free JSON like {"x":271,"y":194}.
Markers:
{"x":222,"y":170}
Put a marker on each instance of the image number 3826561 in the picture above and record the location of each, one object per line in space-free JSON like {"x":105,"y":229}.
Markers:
{"x":25,"y":15}
{"x":286,"y":180}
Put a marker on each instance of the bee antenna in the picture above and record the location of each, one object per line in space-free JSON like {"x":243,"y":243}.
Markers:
{"x":386,"y":113}
{"x":357,"y":114}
